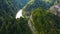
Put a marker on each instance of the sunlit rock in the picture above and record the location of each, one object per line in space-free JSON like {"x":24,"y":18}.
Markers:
{"x":19,"y":14}
{"x":55,"y":10}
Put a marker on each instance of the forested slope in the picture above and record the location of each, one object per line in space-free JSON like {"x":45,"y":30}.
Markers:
{"x":45,"y":22}
{"x":38,"y":14}
{"x":11,"y":7}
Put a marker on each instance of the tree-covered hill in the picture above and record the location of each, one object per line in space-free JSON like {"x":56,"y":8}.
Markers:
{"x":39,"y":20}
{"x":33,"y":4}
{"x":45,"y":22}
{"x":14,"y":26}
{"x":11,"y":7}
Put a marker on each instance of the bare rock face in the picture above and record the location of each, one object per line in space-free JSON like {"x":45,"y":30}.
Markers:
{"x":55,"y":10}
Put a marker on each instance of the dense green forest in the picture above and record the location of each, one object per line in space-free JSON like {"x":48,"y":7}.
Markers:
{"x":45,"y":22}
{"x":14,"y":26}
{"x":37,"y":17}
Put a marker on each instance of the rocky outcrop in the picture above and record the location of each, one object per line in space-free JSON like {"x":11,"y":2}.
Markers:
{"x":55,"y":10}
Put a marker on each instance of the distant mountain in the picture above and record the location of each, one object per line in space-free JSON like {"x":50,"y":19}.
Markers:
{"x":33,"y":4}
{"x":39,"y":3}
{"x":10,"y":7}
{"x":19,"y":3}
